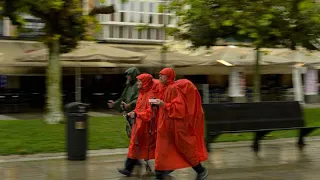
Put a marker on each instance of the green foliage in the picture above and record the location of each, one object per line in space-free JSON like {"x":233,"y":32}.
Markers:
{"x":164,"y":49}
{"x":61,"y":17}
{"x":34,"y":136}
{"x":161,"y":8}
{"x":142,"y":27}
{"x":172,"y":31}
{"x":267,"y":22}
{"x":65,"y":25}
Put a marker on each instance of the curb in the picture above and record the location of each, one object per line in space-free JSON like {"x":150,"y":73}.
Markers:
{"x":52,"y":156}
{"x":263,"y":142}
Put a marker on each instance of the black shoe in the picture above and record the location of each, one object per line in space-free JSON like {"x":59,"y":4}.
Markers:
{"x":138,"y":163}
{"x":124,"y":172}
{"x":163,"y":177}
{"x":203,"y":175}
{"x":128,"y":166}
{"x":168,"y":172}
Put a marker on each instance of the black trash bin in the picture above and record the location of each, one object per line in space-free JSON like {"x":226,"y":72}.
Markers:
{"x":77,"y":130}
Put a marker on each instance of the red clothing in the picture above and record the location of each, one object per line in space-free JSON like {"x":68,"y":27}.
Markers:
{"x":177,"y":145}
{"x":143,"y":134}
{"x":195,"y":115}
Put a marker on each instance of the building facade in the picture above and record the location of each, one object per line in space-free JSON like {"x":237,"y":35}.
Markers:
{"x":136,"y":21}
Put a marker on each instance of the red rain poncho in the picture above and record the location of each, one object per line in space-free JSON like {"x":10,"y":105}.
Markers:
{"x":195,"y":115}
{"x":177,"y":139}
{"x":143,"y":135}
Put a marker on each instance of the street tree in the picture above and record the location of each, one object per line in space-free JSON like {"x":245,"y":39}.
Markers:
{"x":266,"y":23}
{"x":65,"y":25}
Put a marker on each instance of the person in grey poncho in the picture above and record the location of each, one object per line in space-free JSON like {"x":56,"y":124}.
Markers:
{"x":129,"y":96}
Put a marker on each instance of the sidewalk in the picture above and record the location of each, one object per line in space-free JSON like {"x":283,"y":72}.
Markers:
{"x":278,"y":160}
{"x":123,"y":151}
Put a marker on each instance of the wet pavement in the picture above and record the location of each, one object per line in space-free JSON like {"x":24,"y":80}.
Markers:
{"x":276,"y":161}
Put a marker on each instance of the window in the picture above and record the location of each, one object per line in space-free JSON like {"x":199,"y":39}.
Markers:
{"x":148,"y":33}
{"x":121,"y":32}
{"x":122,"y":16}
{"x":130,"y":32}
{"x":160,"y":19}
{"x":158,"y":34}
{"x":141,"y":17}
{"x":164,"y":19}
{"x":1,"y":27}
{"x":140,"y":34}
{"x":132,"y":15}
{"x":151,"y":7}
{"x":132,"y":6}
{"x":111,"y":32}
{"x":124,"y":6}
{"x":112,"y":17}
{"x":141,"y":6}
{"x":168,"y":19}
{"x":150,"y":18}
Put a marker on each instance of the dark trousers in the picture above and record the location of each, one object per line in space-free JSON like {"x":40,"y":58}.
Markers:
{"x":130,"y":163}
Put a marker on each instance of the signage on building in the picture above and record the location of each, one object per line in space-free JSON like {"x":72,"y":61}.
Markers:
{"x":3,"y":81}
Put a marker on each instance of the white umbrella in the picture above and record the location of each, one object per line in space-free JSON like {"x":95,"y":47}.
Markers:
{"x":89,"y":52}
{"x":243,"y":56}
{"x":299,"y":56}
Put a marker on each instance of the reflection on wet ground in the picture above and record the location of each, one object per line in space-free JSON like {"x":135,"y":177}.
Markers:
{"x":274,"y":162}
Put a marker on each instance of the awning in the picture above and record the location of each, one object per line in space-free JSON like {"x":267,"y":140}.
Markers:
{"x":154,"y":57}
{"x":88,"y":52}
{"x":87,"y":55}
{"x":26,"y":54}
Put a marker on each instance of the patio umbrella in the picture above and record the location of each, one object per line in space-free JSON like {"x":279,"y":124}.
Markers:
{"x":243,"y":56}
{"x":88,"y":52}
{"x":299,"y":56}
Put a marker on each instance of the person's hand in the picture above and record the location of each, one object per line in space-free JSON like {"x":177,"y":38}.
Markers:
{"x":132,"y":114}
{"x":125,"y":105}
{"x":160,"y":103}
{"x":110,"y":104}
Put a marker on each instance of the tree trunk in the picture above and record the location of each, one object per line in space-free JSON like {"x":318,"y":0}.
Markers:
{"x":256,"y":90}
{"x":54,"y":99}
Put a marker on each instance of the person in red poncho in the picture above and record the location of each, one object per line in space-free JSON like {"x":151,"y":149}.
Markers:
{"x":195,"y":116}
{"x":177,"y":135}
{"x":143,"y":135}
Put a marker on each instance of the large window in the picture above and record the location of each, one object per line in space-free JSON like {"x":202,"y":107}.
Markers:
{"x":134,"y":11}
{"x":122,"y":25}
